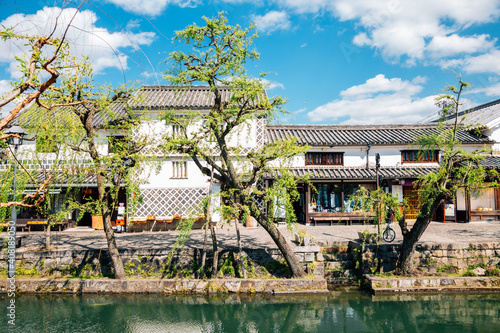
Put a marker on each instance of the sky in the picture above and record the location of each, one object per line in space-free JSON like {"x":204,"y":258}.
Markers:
{"x":335,"y":61}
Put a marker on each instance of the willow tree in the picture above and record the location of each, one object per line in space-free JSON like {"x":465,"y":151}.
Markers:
{"x":460,"y":170}
{"x":43,"y":69}
{"x":89,"y":115}
{"x":219,"y":53}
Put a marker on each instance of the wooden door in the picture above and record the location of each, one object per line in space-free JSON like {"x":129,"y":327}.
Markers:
{"x":410,"y":193}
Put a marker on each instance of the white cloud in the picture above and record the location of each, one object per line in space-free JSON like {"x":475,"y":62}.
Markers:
{"x":378,"y":101}
{"x":445,"y":46}
{"x":272,"y":84}
{"x":484,"y":63}
{"x":381,"y":84}
{"x":418,"y":29}
{"x":5,"y":88}
{"x":493,"y":90}
{"x":272,"y":21}
{"x":104,"y":48}
{"x":152,"y":7}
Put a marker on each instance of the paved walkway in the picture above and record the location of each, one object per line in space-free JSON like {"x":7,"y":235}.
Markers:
{"x":257,"y":238}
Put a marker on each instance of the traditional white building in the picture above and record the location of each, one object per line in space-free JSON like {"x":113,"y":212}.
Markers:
{"x":341,"y":159}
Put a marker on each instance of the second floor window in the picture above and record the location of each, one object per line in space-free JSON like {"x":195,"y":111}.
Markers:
{"x":179,"y":169}
{"x":415,"y":156}
{"x":325,"y":159}
{"x":176,"y":131}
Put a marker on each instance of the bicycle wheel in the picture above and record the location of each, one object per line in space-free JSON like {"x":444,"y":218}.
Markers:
{"x":389,"y":235}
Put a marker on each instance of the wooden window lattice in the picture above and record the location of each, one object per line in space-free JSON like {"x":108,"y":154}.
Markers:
{"x":325,"y":159}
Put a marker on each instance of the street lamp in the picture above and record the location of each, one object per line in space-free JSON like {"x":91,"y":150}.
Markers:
{"x":16,"y":142}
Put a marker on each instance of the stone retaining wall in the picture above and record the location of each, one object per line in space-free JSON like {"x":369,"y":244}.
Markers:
{"x":453,"y":258}
{"x":166,"y":286}
{"x":432,"y":284}
{"x":148,"y":263}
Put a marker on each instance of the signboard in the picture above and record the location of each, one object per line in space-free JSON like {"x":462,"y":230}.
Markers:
{"x":397,"y":190}
{"x":450,"y":211}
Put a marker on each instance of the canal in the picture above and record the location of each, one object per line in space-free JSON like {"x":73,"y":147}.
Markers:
{"x":343,"y":310}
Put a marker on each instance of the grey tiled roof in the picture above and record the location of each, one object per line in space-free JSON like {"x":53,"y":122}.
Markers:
{"x":361,"y":172}
{"x":491,"y":162}
{"x":117,"y":111}
{"x":344,"y":135}
{"x":486,"y":115}
{"x":173,"y":97}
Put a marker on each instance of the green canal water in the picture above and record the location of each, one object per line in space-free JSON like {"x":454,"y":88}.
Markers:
{"x":344,"y":310}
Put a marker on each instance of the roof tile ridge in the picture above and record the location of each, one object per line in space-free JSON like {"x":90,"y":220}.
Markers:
{"x":188,"y":87}
{"x":351,"y":127}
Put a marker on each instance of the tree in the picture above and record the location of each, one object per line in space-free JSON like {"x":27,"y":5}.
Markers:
{"x":219,"y":54}
{"x":93,"y":110}
{"x":459,"y":170}
{"x":44,"y":65}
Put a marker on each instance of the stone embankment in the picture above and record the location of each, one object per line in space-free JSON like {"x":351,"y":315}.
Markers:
{"x":167,"y":286}
{"x":343,"y":262}
{"x":384,"y":285}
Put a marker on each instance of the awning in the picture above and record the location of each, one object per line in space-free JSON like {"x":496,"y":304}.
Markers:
{"x":361,"y":173}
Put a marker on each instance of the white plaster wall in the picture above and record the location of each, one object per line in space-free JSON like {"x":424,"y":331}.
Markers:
{"x":484,"y":198}
{"x":244,"y":135}
{"x":495,"y":135}
{"x":355,"y":156}
{"x":461,"y":200}
{"x":215,"y":203}
{"x":163,"y":179}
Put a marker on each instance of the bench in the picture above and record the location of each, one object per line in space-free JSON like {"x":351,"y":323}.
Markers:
{"x":19,"y":226}
{"x":61,"y":226}
{"x":343,"y":217}
{"x":482,"y":213}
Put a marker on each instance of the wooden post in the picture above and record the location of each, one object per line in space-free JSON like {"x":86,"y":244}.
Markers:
{"x":306,"y":203}
{"x":377,"y":167}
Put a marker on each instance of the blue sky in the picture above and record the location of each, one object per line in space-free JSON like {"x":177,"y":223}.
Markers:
{"x":335,"y":61}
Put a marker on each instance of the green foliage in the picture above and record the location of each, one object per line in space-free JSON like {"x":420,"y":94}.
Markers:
{"x":218,"y":56}
{"x":460,"y":169}
{"x":227,"y":267}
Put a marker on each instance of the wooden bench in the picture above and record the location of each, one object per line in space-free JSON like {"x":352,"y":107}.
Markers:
{"x":482,"y":213}
{"x":19,"y":226}
{"x":61,"y":226}
{"x":347,"y":217}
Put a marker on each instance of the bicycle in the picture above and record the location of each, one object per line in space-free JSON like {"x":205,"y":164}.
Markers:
{"x":389,"y":234}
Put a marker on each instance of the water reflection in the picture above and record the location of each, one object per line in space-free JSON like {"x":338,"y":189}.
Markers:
{"x":341,"y":311}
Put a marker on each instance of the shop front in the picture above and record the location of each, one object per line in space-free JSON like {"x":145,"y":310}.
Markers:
{"x":329,"y":196}
{"x":331,"y":201}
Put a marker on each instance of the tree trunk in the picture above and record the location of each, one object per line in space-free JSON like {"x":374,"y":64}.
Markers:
{"x":215,"y":264}
{"x":404,"y":264}
{"x":240,"y":254}
{"x":208,"y":221}
{"x":285,"y":248}
{"x":116,"y":258}
{"x":204,"y":254}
